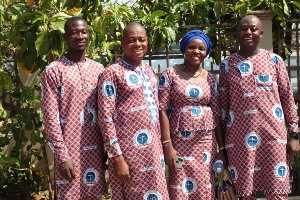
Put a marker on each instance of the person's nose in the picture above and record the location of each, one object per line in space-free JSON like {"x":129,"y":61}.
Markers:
{"x":80,"y":35}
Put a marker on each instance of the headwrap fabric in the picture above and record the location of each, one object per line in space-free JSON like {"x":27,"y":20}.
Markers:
{"x":195,"y":34}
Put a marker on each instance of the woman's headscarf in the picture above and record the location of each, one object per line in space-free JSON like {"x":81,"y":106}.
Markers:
{"x":195,"y":34}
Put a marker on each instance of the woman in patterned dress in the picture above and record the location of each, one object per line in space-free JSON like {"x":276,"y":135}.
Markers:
{"x":189,"y":117}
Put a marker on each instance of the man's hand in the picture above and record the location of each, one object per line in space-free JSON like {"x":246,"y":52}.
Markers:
{"x":67,"y":169}
{"x":292,"y":147}
{"x":121,"y":169}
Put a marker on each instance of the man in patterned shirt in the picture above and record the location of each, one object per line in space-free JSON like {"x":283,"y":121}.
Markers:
{"x":69,"y":103}
{"x":128,"y":118}
{"x":257,"y":102}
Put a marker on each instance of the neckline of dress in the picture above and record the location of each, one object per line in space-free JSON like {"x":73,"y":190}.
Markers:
{"x":205,"y":79}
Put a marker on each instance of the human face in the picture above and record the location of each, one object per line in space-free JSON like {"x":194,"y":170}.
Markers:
{"x":249,"y":32}
{"x":135,"y":44}
{"x":77,"y":35}
{"x":195,"y":52}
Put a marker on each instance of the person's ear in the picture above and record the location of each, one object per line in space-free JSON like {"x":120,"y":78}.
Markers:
{"x":261,"y":33}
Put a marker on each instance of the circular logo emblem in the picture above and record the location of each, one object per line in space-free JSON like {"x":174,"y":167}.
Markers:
{"x":224,"y":66}
{"x":252,"y":140}
{"x":189,"y":185}
{"x":186,"y":134}
{"x":132,"y":79}
{"x":206,"y":157}
{"x":263,"y":78}
{"x":196,"y":111}
{"x":152,"y":195}
{"x":278,"y":112}
{"x":281,"y":170}
{"x":60,"y":90}
{"x":162,"y":161}
{"x":245,"y":67}
{"x":108,"y":89}
{"x":230,"y":118}
{"x":163,"y":81}
{"x":142,"y":138}
{"x":193,"y":91}
{"x":233,"y":172}
{"x":92,"y":114}
{"x":90,"y":176}
{"x":274,"y":58}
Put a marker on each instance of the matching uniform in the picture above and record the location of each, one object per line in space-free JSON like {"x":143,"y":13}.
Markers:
{"x":256,"y":101}
{"x":128,"y":117}
{"x":193,"y":111}
{"x":69,"y":104}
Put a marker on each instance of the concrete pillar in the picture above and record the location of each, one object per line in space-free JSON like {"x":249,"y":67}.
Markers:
{"x":266,"y":17}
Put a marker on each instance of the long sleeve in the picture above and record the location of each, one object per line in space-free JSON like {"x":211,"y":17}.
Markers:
{"x":286,"y":97}
{"x":107,"y":94}
{"x":214,"y":101}
{"x":50,"y":106}
{"x":164,"y":91}
{"x":224,"y":94}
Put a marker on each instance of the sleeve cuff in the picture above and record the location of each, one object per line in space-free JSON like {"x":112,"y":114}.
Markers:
{"x":61,"y":155}
{"x":113,"y":148}
{"x":293,"y":128}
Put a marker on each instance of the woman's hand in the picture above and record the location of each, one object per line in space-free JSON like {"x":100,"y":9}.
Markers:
{"x":221,"y":155}
{"x":170,"y":155}
{"x":121,"y":169}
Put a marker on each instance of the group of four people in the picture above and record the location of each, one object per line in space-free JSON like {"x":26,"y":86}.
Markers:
{"x":144,"y":123}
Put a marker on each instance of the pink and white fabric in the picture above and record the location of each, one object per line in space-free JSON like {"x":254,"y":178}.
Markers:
{"x":256,"y":101}
{"x":193,"y":111}
{"x":69,"y":104}
{"x":128,"y":120}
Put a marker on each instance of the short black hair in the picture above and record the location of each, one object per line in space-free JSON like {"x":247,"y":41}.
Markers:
{"x":72,"y":19}
{"x":131,"y":26}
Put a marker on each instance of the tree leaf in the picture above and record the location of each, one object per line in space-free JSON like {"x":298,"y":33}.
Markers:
{"x":158,"y":13}
{"x":6,"y":81}
{"x":42,"y":42}
{"x":14,"y":161}
{"x":217,"y":10}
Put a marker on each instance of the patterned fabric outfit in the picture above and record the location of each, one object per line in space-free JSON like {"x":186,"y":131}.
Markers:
{"x":256,"y":100}
{"x":193,"y":113}
{"x":69,"y":103}
{"x":128,"y":117}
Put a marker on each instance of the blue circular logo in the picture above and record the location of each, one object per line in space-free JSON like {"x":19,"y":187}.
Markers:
{"x":110,"y":91}
{"x":152,"y":197}
{"x":263,"y":78}
{"x":223,"y":66}
{"x":90,"y":177}
{"x":252,"y":140}
{"x":162,"y":80}
{"x":189,"y":186}
{"x":229,"y":119}
{"x":186,"y":134}
{"x":278,"y":112}
{"x":133,"y":79}
{"x":194,"y":92}
{"x":142,"y":138}
{"x":205,"y":157}
{"x":275,"y":59}
{"x":91,"y":117}
{"x":244,"y":67}
{"x":281,"y":171}
{"x":233,"y":175}
{"x":196,"y":110}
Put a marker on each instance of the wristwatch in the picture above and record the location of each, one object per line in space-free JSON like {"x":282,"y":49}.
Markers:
{"x":295,"y":135}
